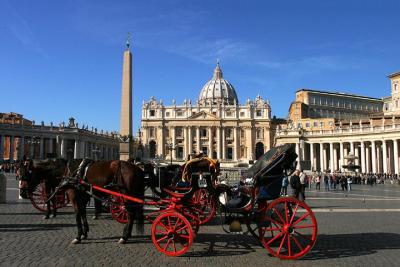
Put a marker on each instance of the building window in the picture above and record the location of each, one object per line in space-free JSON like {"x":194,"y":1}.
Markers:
{"x":321,"y":124}
{"x":259,"y":134}
{"x":242,"y":133}
{"x":229,"y":153}
{"x":299,"y":125}
{"x":229,"y":113}
{"x":152,"y":113}
{"x":307,"y":125}
{"x":242,"y":114}
{"x":229,"y":133}
{"x":179,"y":113}
{"x":152,"y":133}
{"x":178,"y":132}
{"x":395,"y":87}
{"x":315,"y":124}
{"x":258,"y":113}
{"x":203,"y":132}
{"x":167,"y":114}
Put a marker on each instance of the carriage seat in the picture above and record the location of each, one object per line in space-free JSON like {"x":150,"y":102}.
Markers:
{"x":238,"y":202}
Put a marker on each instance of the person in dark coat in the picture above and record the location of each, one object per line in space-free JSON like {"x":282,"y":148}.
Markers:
{"x":295,"y":184}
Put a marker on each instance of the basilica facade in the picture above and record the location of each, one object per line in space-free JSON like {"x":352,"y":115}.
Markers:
{"x":216,"y":125}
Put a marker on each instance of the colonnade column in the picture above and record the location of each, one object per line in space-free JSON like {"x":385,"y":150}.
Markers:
{"x":63,"y":148}
{"x":341,"y":151}
{"x":362,"y":157}
{"x":367,"y":159}
{"x":21,"y":147}
{"x":331,"y":157}
{"x":173,"y":136}
{"x":396,"y":157}
{"x":384,"y":156}
{"x":335,"y":165}
{"x":298,"y":151}
{"x":356,"y":153}
{"x":76,"y":149}
{"x":373,"y":156}
{"x":82,"y":153}
{"x":321,"y":157}
{"x":352,"y":148}
{"x":186,"y":142}
{"x":312,"y":156}
{"x":2,"y":142}
{"x":11,"y":148}
{"x":210,"y":143}
{"x":41,"y":148}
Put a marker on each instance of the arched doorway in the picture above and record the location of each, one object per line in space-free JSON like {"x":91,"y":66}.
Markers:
{"x":152,"y":149}
{"x":259,"y":149}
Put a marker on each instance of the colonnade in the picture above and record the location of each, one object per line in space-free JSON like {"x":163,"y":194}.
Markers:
{"x":15,"y":147}
{"x":376,"y":156}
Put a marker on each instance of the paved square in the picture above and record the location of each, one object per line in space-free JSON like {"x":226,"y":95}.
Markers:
{"x":359,"y":228}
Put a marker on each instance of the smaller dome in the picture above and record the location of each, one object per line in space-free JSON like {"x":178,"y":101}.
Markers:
{"x":218,"y":90}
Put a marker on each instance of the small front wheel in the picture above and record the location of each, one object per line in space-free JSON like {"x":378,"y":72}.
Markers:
{"x":172,"y":234}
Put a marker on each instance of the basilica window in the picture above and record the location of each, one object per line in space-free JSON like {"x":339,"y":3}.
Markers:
{"x":229,"y":133}
{"x":258,"y":113}
{"x":167,"y":114}
{"x":315,"y":124}
{"x":152,"y":133}
{"x":260,"y":134}
{"x":242,"y":133}
{"x":178,"y":132}
{"x":152,"y":113}
{"x":307,"y":125}
{"x":395,"y":87}
{"x":179,"y":113}
{"x":203,"y":132}
{"x":242,"y":114}
{"x":229,"y":113}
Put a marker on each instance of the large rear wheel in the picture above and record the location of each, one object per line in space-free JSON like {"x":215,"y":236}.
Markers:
{"x":288,"y":228}
{"x":38,"y":198}
{"x":171,"y":234}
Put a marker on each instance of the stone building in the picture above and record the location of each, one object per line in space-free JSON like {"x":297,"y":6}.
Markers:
{"x":392,"y":103}
{"x":216,"y":124}
{"x":374,"y":139}
{"x":20,"y":137}
{"x":341,"y":106}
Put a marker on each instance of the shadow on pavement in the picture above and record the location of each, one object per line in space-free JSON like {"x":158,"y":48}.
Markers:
{"x":352,"y":245}
{"x":33,"y":227}
{"x":223,"y":245}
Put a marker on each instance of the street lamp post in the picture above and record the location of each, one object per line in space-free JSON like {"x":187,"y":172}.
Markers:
{"x":171,"y":147}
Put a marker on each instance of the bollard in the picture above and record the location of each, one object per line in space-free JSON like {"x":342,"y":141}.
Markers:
{"x":3,"y":190}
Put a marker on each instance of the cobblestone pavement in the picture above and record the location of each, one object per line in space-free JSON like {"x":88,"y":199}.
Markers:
{"x":359,"y":228}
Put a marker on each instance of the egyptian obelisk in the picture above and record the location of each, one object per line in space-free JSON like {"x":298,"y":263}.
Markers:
{"x":126,"y":144}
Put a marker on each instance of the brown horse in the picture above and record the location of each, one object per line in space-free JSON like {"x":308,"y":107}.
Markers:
{"x":124,"y":177}
{"x":33,"y":172}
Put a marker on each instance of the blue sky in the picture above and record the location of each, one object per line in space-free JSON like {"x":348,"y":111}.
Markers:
{"x":64,"y":58}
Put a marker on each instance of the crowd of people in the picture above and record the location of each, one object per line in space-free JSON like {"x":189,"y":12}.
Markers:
{"x":9,"y":167}
{"x":299,"y":181}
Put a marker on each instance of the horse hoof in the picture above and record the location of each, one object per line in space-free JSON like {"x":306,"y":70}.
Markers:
{"x":52,"y":216}
{"x":45,"y":217}
{"x":84,"y":237}
{"x":75,"y":241}
{"x":95,"y":217}
{"x":122,"y":241}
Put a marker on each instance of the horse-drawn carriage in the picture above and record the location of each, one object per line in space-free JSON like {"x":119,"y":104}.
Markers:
{"x":285,"y":226}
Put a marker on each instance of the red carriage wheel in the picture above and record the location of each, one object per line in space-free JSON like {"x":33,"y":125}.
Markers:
{"x":288,"y":229}
{"x":38,"y":197}
{"x":171,"y":234}
{"x":206,"y":203}
{"x":61,"y":200}
{"x":118,"y":211}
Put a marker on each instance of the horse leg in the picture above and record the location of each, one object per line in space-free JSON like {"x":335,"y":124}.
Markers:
{"x":127,"y":233}
{"x":54,"y":201}
{"x":48,"y":205}
{"x":97,"y":208}
{"x":78,"y":215}
{"x":84,"y":218}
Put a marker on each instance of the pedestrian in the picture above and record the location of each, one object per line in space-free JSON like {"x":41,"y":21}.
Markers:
{"x":343,"y":182}
{"x":285,"y":183}
{"x":326,"y":182}
{"x":295,"y":184}
{"x":318,"y":182}
{"x":303,"y":181}
{"x":349,"y":182}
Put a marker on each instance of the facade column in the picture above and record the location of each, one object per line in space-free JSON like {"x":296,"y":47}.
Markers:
{"x":396,"y":157}
{"x":341,"y":155}
{"x":223,"y":143}
{"x":384,"y":157}
{"x":298,"y":152}
{"x":312,"y":156}
{"x":41,"y":148}
{"x":198,"y":139}
{"x":357,"y":154}
{"x":363,"y":169}
{"x":236,"y":155}
{"x":210,"y":143}
{"x":51,"y":148}
{"x":352,"y":148}
{"x":76,"y":149}
{"x":335,"y":165}
{"x":82,"y":151}
{"x":367,"y":159}
{"x":2,"y":142}
{"x":12,"y":148}
{"x":173,"y":141}
{"x":373,"y":156}
{"x":331,"y":157}
{"x":186,"y":143}
{"x":190,"y":137}
{"x":321,"y":157}
{"x":218,"y":142}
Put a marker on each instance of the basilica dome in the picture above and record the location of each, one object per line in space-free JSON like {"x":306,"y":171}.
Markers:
{"x":217,"y":91}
